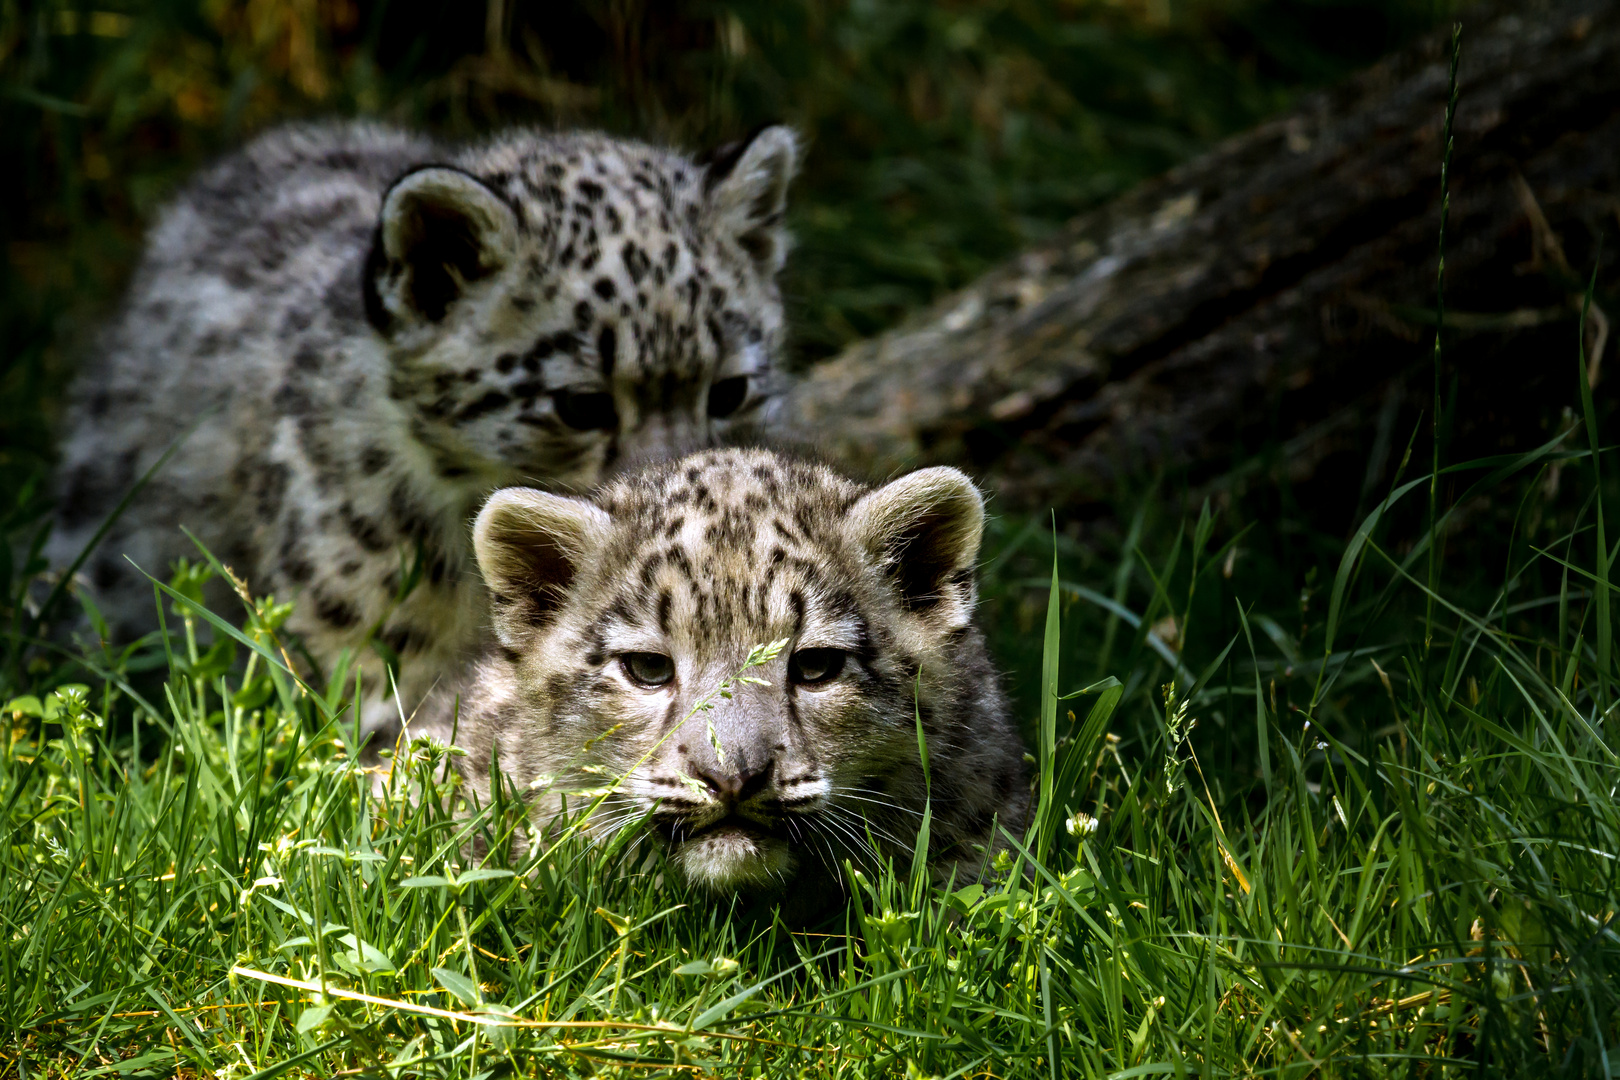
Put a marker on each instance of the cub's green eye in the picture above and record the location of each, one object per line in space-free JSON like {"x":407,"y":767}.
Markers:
{"x":648,"y":669}
{"x":812,"y":667}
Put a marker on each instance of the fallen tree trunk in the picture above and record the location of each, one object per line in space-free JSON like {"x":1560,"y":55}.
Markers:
{"x":1280,"y":292}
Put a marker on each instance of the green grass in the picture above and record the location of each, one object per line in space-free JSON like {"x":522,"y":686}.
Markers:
{"x":1403,"y":862}
{"x":1373,"y":829}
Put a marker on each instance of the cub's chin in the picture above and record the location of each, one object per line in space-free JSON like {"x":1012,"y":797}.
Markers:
{"x":732,"y":857}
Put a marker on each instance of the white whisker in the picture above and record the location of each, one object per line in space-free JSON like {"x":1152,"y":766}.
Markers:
{"x":862,"y":823}
{"x":887,"y":803}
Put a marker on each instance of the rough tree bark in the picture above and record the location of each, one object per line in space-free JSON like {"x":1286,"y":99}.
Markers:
{"x":1280,"y":291}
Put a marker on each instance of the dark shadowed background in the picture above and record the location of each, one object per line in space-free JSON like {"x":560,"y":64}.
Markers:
{"x":941,"y":135}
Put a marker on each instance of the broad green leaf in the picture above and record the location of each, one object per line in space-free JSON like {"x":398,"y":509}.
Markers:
{"x":313,"y":1017}
{"x":459,"y":985}
{"x":430,"y":881}
{"x":482,"y":874}
{"x":27,"y":705}
{"x":369,"y":956}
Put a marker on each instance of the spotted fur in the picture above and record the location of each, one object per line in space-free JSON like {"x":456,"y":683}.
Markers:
{"x":358,"y":333}
{"x":679,"y":571}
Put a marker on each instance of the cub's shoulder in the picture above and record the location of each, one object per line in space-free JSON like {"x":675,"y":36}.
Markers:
{"x":289,"y":187}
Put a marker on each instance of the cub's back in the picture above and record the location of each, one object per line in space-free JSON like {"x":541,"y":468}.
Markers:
{"x":252,"y":252}
{"x":255,"y":239}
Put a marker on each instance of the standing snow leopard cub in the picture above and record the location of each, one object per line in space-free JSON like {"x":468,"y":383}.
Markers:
{"x":616,"y":614}
{"x":367,"y":332}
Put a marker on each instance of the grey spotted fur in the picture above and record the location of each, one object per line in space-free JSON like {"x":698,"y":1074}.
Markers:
{"x":699,"y":561}
{"x":365,"y":332}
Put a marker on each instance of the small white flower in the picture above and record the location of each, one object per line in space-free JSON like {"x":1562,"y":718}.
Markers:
{"x":1080,"y":823}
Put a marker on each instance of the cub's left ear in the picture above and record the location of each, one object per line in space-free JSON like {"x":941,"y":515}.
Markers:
{"x":747,"y":183}
{"x":440,"y":233}
{"x":531,"y":546}
{"x":923,"y":530}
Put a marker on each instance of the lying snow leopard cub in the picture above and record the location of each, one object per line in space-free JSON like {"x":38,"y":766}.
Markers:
{"x":616,"y":614}
{"x":370,"y":331}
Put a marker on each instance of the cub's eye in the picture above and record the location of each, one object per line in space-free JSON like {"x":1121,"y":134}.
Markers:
{"x":648,"y":669}
{"x":727,"y":396}
{"x":586,"y":412}
{"x":812,"y":667}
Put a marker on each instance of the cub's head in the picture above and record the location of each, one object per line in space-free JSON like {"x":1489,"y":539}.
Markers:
{"x":557,"y":306}
{"x":620,"y":617}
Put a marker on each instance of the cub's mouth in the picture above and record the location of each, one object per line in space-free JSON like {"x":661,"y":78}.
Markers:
{"x":678,"y":829}
{"x":730,"y":854}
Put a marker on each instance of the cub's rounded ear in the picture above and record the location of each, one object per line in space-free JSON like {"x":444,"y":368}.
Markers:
{"x":530,"y":546}
{"x":747,"y":184}
{"x":440,"y":232}
{"x":923,"y":530}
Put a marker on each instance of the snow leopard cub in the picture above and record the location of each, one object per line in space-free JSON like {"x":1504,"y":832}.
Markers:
{"x":616,"y":614}
{"x":365,"y":332}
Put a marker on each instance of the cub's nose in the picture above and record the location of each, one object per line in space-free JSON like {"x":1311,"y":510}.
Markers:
{"x":662,"y":435}
{"x":733,"y":787}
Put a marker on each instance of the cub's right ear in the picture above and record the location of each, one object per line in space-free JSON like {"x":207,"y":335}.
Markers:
{"x":747,"y":184}
{"x":530,"y":546}
{"x":923,"y":531}
{"x":441,"y":231}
